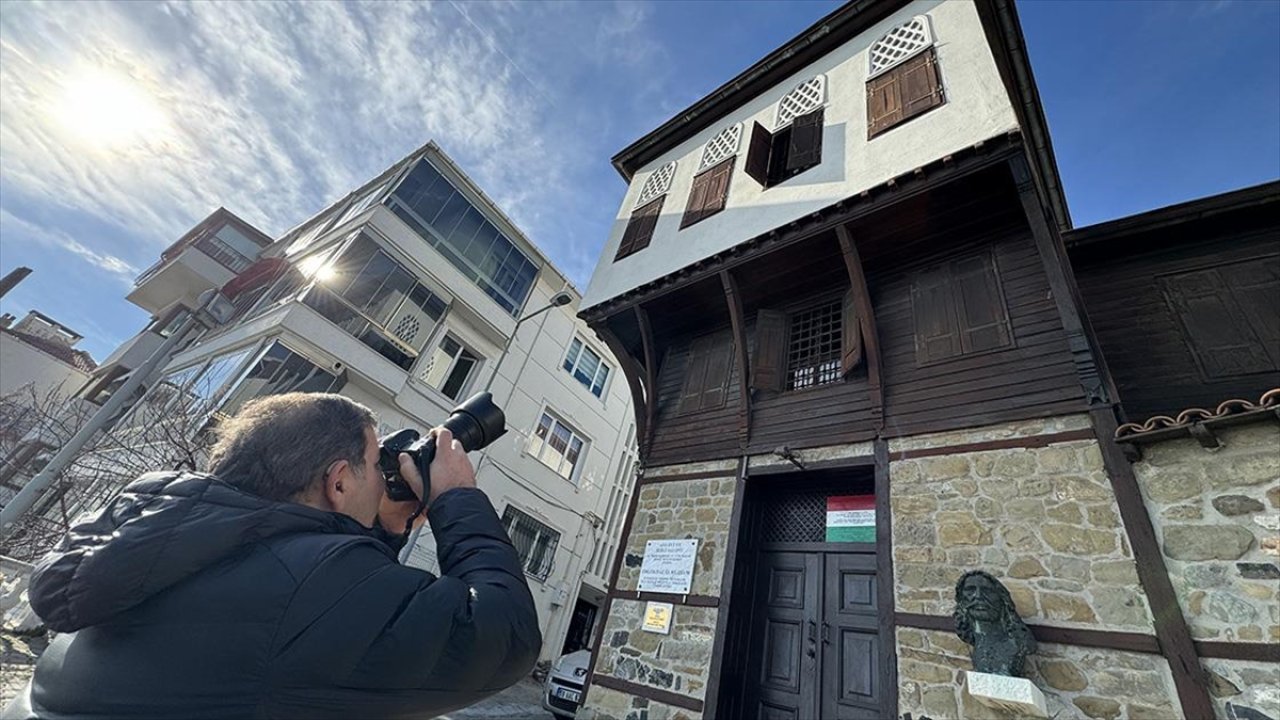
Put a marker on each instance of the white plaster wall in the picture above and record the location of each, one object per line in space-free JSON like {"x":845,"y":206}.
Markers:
{"x":21,"y":364}
{"x":976,"y":108}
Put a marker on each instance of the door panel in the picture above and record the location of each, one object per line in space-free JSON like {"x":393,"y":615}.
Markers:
{"x":788,"y":635}
{"x":850,"y":639}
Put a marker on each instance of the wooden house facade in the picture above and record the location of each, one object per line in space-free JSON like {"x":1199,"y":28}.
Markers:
{"x":863,"y":362}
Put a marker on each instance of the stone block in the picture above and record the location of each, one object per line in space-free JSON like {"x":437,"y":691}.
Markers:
{"x":1103,"y":516}
{"x":1121,"y":607}
{"x":1026,"y":567}
{"x":1067,"y":512}
{"x":1182,"y":512}
{"x":964,"y":533}
{"x":1259,"y":571}
{"x":1015,"y":463}
{"x":1062,"y":675}
{"x":1024,"y":509}
{"x":1078,"y":540}
{"x":940,"y":701}
{"x":914,"y":505}
{"x":1273,"y":496}
{"x":1068,"y":568}
{"x":1055,"y":460}
{"x":1115,"y":572}
{"x":1257,"y":592}
{"x":1096,"y":707}
{"x":925,"y":672}
{"x":1233,"y":505}
{"x":1075,"y":487}
{"x":1219,"y":686}
{"x":1206,"y":542}
{"x":947,"y":467}
{"x":1164,"y":485}
{"x":1020,"y":538}
{"x":1252,"y":469}
{"x":1016,"y":695}
{"x":1147,"y":712}
{"x":1206,"y":575}
{"x":1059,"y":606}
{"x":1024,"y":600}
{"x":1225,"y":607}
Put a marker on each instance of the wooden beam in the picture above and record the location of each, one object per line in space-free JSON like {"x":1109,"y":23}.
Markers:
{"x":630,"y":370}
{"x":650,"y":376}
{"x":866,"y":324}
{"x":673,"y":598}
{"x":1170,"y":625}
{"x":674,"y":477}
{"x":732,"y":540}
{"x":1030,"y":441}
{"x":734,"y":299}
{"x":666,"y":697}
{"x":1081,"y":637}
{"x":1098,"y":390}
{"x":884,"y":581}
{"x":1255,"y":652}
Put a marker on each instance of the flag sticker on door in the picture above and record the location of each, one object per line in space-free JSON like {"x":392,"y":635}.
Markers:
{"x":851,"y":518}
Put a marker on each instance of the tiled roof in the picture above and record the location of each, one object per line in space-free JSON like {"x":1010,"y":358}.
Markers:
{"x":78,"y":359}
{"x":1269,"y":400}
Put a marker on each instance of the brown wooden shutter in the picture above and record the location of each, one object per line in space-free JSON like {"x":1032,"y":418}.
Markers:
{"x":758,"y":154}
{"x":980,"y":307}
{"x":640,"y":229}
{"x":695,"y":375}
{"x":920,"y":86}
{"x":805,"y":148}
{"x":851,"y":335}
{"x":936,"y":328}
{"x":884,"y":103}
{"x":710,"y":187}
{"x":695,"y":210}
{"x":1256,"y":286}
{"x":1217,"y":330}
{"x":716,"y":385}
{"x":769,"y":362}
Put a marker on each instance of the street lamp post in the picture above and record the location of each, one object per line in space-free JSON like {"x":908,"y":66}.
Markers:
{"x":214,"y":310}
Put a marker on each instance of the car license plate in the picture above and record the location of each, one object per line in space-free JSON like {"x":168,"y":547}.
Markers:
{"x":572,"y":696}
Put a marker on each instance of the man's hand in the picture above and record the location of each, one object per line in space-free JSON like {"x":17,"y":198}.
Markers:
{"x":450,"y":469}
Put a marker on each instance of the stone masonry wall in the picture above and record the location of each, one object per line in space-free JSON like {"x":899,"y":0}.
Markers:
{"x":678,"y":662}
{"x":1043,"y":520}
{"x":1238,"y":684}
{"x":1077,"y":682}
{"x":1217,"y":515}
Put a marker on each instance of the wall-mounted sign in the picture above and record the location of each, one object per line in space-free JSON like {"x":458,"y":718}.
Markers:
{"x":657,"y":617}
{"x":668,"y":566}
{"x":851,"y":518}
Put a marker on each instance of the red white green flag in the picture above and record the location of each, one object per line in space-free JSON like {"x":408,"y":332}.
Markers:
{"x":851,"y":518}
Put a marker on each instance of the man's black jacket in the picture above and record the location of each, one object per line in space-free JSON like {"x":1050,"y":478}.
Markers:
{"x":191,"y":599}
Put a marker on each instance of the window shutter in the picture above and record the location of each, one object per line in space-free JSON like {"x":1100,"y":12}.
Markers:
{"x":884,"y":103}
{"x":980,"y":308}
{"x":1217,"y":330}
{"x":920,"y":86}
{"x":769,"y":363}
{"x":719,"y":362}
{"x":1256,"y":286}
{"x":805,"y":148}
{"x":718,"y":192}
{"x":695,"y":376}
{"x":639,"y":229}
{"x":937,"y":334}
{"x":696,"y":208}
{"x":758,"y":154}
{"x":851,"y":335}
{"x":778,"y":153}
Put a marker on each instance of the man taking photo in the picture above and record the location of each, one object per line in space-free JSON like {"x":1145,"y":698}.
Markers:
{"x":269,"y":589}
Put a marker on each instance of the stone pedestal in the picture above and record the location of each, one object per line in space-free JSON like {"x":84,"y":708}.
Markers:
{"x":1016,"y":695}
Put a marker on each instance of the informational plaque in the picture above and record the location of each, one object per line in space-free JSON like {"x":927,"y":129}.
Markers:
{"x":657,"y":617}
{"x":851,"y":518}
{"x":668,"y":566}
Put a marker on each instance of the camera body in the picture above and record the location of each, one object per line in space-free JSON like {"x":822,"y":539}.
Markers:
{"x":475,"y":424}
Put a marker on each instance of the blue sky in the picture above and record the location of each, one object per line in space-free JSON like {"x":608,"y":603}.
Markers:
{"x":274,"y":110}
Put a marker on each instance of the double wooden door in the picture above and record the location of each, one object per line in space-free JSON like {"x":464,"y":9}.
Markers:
{"x":815,"y":643}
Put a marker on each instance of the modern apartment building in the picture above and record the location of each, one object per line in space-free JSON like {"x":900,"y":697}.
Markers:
{"x":408,"y":295}
{"x":843,"y":289}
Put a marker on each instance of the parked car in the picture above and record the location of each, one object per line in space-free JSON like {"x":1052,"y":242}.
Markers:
{"x":562,"y":693}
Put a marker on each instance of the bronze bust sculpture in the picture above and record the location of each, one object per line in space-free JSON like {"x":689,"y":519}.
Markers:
{"x":986,"y":619}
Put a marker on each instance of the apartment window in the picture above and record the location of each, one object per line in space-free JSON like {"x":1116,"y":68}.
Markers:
{"x":447,"y":220}
{"x":587,"y":367}
{"x":280,"y":370}
{"x":795,"y":144}
{"x":376,"y":299}
{"x":557,"y":445}
{"x":959,"y":309}
{"x":818,"y":344}
{"x":450,"y":368}
{"x":167,"y":324}
{"x":230,"y":247}
{"x":535,"y":542}
{"x":902,"y":78}
{"x":706,"y":378}
{"x":1229,"y":316}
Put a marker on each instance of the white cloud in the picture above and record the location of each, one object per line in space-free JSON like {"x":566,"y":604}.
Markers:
{"x":15,"y":229}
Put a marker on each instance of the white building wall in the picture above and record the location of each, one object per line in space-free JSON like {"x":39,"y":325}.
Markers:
{"x":976,"y":108}
{"x":21,"y":364}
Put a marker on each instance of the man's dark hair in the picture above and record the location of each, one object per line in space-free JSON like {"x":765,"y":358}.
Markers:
{"x":279,"y":447}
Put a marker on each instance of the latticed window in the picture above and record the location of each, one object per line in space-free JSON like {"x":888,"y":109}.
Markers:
{"x":723,"y":145}
{"x":803,"y":99}
{"x":813,"y":353}
{"x":535,"y":542}
{"x":657,"y":184}
{"x":898,"y":45}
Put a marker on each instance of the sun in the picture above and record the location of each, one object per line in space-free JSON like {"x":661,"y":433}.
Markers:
{"x":108,"y":110}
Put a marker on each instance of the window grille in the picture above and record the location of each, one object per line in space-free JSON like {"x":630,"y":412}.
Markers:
{"x":899,"y":44}
{"x":805,"y":98}
{"x":535,"y":542}
{"x":723,"y":145}
{"x":657,"y":184}
{"x":813,"y":354}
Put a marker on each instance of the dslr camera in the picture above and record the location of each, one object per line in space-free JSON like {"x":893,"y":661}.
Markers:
{"x":475,"y":424}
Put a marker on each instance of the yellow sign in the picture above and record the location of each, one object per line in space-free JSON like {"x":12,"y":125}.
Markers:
{"x":657,"y":617}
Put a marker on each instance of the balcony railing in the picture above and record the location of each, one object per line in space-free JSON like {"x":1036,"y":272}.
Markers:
{"x":360,"y":326}
{"x":209,"y":244}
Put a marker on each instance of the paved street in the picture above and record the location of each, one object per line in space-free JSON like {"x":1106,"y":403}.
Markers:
{"x":521,"y":702}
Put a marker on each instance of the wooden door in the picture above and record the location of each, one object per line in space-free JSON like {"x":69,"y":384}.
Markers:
{"x":850,"y":639}
{"x":786,"y":645}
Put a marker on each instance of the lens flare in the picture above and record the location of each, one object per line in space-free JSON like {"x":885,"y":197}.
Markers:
{"x":108,"y":110}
